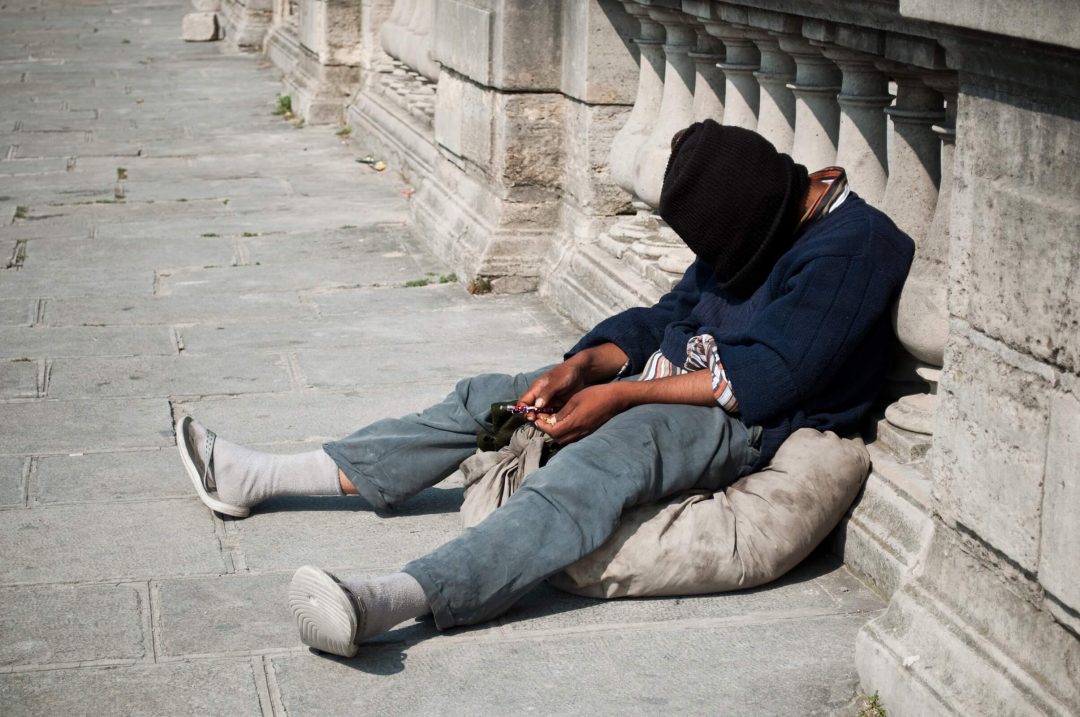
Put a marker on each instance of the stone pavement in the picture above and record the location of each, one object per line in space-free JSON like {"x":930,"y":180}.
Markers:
{"x":171,"y":247}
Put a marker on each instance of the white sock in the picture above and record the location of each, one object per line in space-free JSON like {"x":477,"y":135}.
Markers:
{"x":388,"y":600}
{"x":245,"y":477}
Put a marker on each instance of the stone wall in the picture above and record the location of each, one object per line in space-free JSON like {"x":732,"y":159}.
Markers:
{"x":535,"y":135}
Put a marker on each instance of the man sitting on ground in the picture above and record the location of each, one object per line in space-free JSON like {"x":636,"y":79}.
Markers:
{"x":782,"y":322}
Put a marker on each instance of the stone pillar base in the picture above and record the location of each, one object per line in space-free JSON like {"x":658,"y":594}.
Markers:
{"x":965,"y":640}
{"x":282,"y":46}
{"x":320,"y":92}
{"x":889,"y":526}
{"x":246,"y":23}
{"x":479,"y":233}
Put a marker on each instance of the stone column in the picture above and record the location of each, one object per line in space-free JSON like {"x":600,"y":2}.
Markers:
{"x":910,"y":199}
{"x":817,"y":114}
{"x":862,"y":146}
{"x":676,"y":104}
{"x":741,"y":61}
{"x":915,"y":153}
{"x":392,"y":34}
{"x":708,"y":78}
{"x":417,"y":51}
{"x":776,"y":114}
{"x":661,"y":254}
{"x":633,"y":134}
{"x":922,"y":316}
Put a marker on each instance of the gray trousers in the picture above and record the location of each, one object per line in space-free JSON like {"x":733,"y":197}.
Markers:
{"x":562,"y":512}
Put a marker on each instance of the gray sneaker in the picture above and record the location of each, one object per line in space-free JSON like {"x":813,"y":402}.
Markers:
{"x":328,"y":616}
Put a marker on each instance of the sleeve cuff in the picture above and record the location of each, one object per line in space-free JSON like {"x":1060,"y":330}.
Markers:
{"x":701,"y":353}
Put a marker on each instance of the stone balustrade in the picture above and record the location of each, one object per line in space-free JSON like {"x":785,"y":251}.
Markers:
{"x":536,"y":137}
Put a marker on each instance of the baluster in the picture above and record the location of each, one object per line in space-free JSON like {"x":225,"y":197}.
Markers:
{"x":817,"y":115}
{"x":413,"y":42}
{"x":392,"y":32}
{"x":676,"y":104}
{"x":776,"y":113}
{"x":862,"y":146}
{"x":915,"y":152}
{"x":708,"y":78}
{"x":911,"y":199}
{"x":628,"y":140}
{"x":425,"y":19}
{"x":741,"y":61}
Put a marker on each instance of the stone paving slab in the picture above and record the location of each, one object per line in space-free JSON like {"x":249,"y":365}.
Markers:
{"x":43,"y":625}
{"x":19,"y":379}
{"x":167,"y":310}
{"x":11,"y":482}
{"x":513,"y":329}
{"x":100,"y":477}
{"x":18,"y":167}
{"x":224,"y":614}
{"x":67,"y":341}
{"x":168,"y":376}
{"x":762,"y":668}
{"x":351,"y":270}
{"x":323,"y":532}
{"x":165,"y":689}
{"x":328,"y":371}
{"x":33,"y":283}
{"x":91,"y":543}
{"x":150,"y":251}
{"x":84,"y":425}
{"x":53,"y":224}
{"x":308,"y":416}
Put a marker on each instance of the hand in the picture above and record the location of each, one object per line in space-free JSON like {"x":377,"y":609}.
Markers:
{"x":555,"y":387}
{"x":586,"y":411}
{"x":592,"y":365}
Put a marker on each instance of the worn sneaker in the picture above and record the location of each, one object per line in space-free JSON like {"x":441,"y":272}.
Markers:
{"x":327,"y":615}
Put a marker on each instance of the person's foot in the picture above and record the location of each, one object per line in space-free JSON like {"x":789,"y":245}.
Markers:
{"x":196,"y":444}
{"x":328,"y":616}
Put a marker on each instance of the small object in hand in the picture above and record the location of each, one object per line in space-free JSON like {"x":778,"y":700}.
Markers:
{"x":523,"y":409}
{"x":369,"y":159}
{"x":379,"y":166}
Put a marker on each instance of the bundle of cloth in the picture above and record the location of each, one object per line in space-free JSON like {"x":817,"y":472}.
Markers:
{"x":748,"y":534}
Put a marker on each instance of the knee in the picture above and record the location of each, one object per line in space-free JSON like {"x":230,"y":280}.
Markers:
{"x":480,"y":391}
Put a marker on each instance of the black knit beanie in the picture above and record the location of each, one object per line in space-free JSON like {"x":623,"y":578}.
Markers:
{"x":734,"y":200}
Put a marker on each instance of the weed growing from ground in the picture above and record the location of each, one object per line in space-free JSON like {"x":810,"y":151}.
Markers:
{"x":871,"y":707}
{"x":284,"y":106}
{"x":479,"y":285}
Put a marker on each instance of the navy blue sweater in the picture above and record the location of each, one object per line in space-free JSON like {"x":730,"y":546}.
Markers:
{"x":810,"y":346}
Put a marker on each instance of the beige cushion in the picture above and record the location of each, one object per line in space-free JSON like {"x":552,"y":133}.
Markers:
{"x":749,"y":534}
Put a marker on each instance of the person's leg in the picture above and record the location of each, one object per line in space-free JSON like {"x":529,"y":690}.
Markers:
{"x":385,"y":462}
{"x":393,"y":459}
{"x":567,"y":509}
{"x":230,"y":478}
{"x":560,"y":513}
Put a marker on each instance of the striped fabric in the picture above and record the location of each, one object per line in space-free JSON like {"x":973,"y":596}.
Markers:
{"x":701,"y":354}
